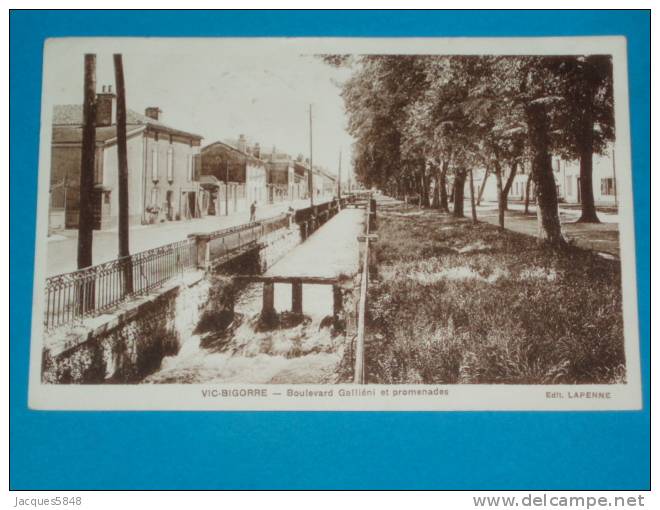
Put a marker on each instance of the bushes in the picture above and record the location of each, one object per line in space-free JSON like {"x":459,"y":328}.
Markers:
{"x":455,"y":303}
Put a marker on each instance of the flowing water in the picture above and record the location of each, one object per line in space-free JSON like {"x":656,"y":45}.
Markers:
{"x":295,"y":352}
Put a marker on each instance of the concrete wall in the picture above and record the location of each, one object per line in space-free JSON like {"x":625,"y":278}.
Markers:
{"x":277,"y":244}
{"x":129,"y":344}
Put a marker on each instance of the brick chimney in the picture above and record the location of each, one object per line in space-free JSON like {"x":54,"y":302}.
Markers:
{"x":256,"y":150}
{"x":106,"y":108}
{"x":242,"y":144}
{"x":153,"y":112}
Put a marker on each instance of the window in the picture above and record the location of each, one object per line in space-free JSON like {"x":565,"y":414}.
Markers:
{"x":607,"y":186}
{"x":170,"y":163}
{"x":154,"y":164}
{"x":189,"y":168}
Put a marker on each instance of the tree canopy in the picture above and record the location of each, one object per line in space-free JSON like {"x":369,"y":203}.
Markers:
{"x":416,"y":116}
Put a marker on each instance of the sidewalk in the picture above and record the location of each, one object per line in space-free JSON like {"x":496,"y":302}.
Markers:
{"x":602,"y":237}
{"x":62,"y":248}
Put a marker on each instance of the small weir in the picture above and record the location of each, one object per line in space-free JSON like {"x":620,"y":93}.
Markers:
{"x":286,"y":325}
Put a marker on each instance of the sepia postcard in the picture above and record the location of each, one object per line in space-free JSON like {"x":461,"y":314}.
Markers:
{"x":335,"y":224}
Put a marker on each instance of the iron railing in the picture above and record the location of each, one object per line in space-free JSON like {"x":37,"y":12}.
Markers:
{"x":73,"y":296}
{"x":87,"y":292}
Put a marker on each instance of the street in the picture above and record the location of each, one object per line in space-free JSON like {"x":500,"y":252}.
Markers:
{"x":62,"y":247}
{"x":602,"y":237}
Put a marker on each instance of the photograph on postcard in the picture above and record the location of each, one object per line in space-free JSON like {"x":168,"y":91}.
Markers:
{"x":359,"y":224}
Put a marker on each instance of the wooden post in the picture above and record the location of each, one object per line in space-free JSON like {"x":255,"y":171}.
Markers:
{"x":87,"y":164}
{"x":296,"y":297}
{"x":339,"y":179}
{"x":203,"y":249}
{"x":122,"y":187}
{"x":227,"y":188}
{"x":310,"y":178}
{"x":337,"y":302}
{"x":268,"y":307}
{"x":372,"y":214}
{"x":85,"y":293}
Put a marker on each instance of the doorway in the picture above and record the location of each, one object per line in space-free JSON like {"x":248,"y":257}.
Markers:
{"x":192,"y":199}
{"x":169,"y":199}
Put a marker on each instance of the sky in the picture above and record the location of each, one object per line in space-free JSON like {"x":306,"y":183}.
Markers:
{"x":218,"y":88}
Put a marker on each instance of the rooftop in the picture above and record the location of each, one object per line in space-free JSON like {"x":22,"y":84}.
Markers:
{"x":72,"y":115}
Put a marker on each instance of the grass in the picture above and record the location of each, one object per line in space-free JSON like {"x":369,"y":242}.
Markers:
{"x":453,"y":302}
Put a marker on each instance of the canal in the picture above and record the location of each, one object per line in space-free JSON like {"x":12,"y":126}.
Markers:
{"x":307,"y":351}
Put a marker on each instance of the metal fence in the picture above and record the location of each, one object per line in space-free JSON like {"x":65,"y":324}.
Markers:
{"x":95,"y":289}
{"x":70,"y":297}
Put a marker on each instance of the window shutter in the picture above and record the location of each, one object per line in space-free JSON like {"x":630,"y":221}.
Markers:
{"x":170,"y":163}
{"x":154,"y":164}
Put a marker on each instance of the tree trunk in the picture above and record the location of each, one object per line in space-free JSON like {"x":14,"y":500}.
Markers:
{"x":483,"y":186}
{"x":586,"y":145}
{"x":527,"y":189}
{"x":508,"y":184}
{"x":435,"y":204}
{"x":424,"y":202}
{"x":444,"y":203}
{"x":458,"y":191}
{"x":546,"y":192}
{"x":122,"y":185}
{"x":500,"y":195}
{"x":472,"y":202}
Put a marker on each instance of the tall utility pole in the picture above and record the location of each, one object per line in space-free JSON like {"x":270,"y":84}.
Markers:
{"x":311,"y":164}
{"x":339,"y":178}
{"x":86,"y":214}
{"x":122,"y":160}
{"x":616,"y":188}
{"x":227,"y":187}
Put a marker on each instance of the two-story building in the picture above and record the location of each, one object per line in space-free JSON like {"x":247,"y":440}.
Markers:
{"x":567,"y":181}
{"x":281,"y":176}
{"x":241,"y":176}
{"x":301,"y":177}
{"x":328,"y":183}
{"x":163,"y":167}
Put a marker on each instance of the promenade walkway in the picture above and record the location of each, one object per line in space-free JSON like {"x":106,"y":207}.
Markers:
{"x":62,"y":247}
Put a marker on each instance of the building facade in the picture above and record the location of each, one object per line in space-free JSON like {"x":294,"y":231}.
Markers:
{"x":281,"y":176}
{"x":163,"y":168}
{"x":567,"y":181}
{"x":242,"y":178}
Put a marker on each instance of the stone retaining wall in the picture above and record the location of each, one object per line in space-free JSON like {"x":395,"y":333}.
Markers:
{"x":130,"y":343}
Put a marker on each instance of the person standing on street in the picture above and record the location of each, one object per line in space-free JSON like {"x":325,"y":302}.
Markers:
{"x":253,"y":211}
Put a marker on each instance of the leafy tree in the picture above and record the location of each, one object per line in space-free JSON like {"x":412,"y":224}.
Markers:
{"x":420,"y":117}
{"x":586,"y":117}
